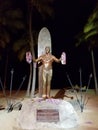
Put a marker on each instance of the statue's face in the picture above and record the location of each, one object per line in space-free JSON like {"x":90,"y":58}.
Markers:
{"x":47,"y":49}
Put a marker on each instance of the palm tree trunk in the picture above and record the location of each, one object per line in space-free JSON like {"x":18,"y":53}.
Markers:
{"x":34,"y":80}
{"x":33,"y":53}
{"x":32,"y":71}
{"x":94,"y":72}
{"x":29,"y":82}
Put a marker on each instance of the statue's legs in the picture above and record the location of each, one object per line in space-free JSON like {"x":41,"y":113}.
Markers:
{"x":44,"y":84}
{"x":40,"y":81}
{"x":47,"y":75}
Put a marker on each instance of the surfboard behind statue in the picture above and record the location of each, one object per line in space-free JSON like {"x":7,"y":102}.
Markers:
{"x":44,"y":39}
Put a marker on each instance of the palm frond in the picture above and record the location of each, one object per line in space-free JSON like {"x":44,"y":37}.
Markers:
{"x":14,"y":13}
{"x":21,"y":43}
{"x":90,"y":30}
{"x":88,"y":27}
{"x":21,"y":54}
{"x":91,"y":34}
{"x":44,"y":7}
{"x":4,"y":36}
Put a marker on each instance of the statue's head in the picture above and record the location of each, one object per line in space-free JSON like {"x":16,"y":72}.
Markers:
{"x":47,"y":49}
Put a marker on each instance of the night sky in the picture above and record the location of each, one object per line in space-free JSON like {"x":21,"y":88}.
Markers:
{"x":70,"y":18}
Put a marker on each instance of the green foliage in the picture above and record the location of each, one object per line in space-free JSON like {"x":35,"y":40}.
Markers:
{"x":90,"y":30}
{"x":90,"y":34}
{"x":89,"y":27}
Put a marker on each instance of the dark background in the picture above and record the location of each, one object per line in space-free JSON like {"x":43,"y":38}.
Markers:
{"x":70,"y":18}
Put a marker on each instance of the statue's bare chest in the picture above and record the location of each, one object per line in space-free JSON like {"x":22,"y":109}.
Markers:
{"x":47,"y":59}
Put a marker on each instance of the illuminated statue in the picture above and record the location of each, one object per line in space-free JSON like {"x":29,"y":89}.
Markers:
{"x":46,"y":60}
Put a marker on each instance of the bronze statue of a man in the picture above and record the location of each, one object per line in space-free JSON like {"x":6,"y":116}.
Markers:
{"x":46,"y":59}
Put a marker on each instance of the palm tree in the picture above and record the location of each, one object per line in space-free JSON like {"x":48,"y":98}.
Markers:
{"x":11,"y":20}
{"x":45,"y":9}
{"x":89,"y":35}
{"x":20,"y":47}
{"x":10,"y":23}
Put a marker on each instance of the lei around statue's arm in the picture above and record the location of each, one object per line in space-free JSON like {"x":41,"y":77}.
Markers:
{"x":28,"y":57}
{"x":63,"y":58}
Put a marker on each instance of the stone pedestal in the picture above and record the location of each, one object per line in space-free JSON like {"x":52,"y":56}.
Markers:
{"x":49,"y":113}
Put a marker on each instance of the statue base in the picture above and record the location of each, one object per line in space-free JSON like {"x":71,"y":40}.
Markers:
{"x":49,"y":113}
